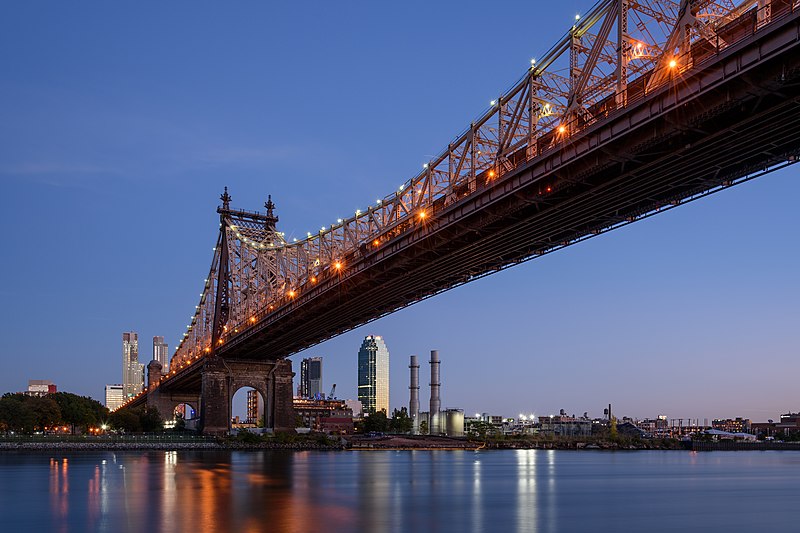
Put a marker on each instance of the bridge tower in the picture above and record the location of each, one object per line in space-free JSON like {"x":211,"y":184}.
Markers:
{"x":221,"y":375}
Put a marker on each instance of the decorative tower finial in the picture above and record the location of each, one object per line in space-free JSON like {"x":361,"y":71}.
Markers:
{"x":270,"y":220}
{"x":226,"y":200}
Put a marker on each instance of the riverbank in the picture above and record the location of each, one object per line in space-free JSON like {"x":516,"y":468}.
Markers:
{"x":730,"y":445}
{"x":411,"y":442}
{"x":165,"y":446}
{"x":417,"y":442}
{"x":389,"y":442}
{"x":354,"y":443}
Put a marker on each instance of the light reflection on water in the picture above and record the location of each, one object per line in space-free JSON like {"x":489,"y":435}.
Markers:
{"x":519,"y":490}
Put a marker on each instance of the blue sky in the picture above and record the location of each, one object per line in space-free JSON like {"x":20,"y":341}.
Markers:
{"x":122,"y":123}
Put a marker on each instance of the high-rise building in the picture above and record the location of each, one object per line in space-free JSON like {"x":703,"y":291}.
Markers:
{"x":161,"y":353}
{"x":132,"y":370}
{"x":114,"y":396}
{"x":373,"y":375}
{"x":311,"y":378}
{"x":255,"y":407}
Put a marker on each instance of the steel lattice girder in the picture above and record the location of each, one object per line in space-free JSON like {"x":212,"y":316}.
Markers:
{"x":575,"y":87}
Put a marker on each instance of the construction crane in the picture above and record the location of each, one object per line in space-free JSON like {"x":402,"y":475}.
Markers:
{"x":333,"y":391}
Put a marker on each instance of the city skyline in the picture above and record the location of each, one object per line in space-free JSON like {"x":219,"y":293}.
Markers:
{"x":695,"y":307}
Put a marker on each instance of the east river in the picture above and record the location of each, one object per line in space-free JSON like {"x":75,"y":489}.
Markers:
{"x":418,"y":491}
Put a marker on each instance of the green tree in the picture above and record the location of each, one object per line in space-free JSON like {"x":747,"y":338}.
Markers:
{"x":377,"y":422}
{"x":16,"y":414}
{"x":125,"y":420}
{"x":423,"y":427}
{"x":151,"y":419}
{"x":79,"y":411}
{"x":45,"y":410}
{"x":480,"y":429}
{"x":401,"y":422}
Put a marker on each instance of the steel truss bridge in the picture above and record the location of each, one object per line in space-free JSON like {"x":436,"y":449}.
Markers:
{"x":643,"y":105}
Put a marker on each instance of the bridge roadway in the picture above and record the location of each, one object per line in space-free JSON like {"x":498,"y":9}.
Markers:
{"x":733,"y":117}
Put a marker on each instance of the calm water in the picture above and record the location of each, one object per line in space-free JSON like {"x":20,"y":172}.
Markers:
{"x":530,"y":490}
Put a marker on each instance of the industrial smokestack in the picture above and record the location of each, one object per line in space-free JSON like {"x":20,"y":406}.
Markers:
{"x":436,"y":404}
{"x":413,"y":401}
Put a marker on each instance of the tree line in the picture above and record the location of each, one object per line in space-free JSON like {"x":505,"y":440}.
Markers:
{"x":379,"y":422}
{"x":22,"y":413}
{"x":26,"y":414}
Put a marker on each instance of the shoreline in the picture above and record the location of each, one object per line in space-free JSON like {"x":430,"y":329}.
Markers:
{"x":350,"y":445}
{"x":390,"y":443}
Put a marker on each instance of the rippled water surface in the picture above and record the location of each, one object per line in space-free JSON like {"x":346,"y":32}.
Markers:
{"x":525,"y":490}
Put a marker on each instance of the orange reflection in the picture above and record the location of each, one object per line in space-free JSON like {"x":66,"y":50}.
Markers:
{"x":59,"y":491}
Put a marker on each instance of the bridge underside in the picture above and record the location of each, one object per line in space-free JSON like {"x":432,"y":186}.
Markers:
{"x":724,"y":121}
{"x":715,"y":126}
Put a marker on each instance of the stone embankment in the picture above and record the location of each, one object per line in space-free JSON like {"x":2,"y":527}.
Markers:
{"x":393,"y":442}
{"x":356,"y":443}
{"x":167,"y":446}
{"x":666,"y":444}
{"x":729,"y":445}
{"x":408,"y":442}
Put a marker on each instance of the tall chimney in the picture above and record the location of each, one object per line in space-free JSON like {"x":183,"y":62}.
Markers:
{"x":413,"y":402}
{"x":433,"y":425}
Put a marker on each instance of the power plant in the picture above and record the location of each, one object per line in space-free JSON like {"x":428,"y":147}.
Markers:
{"x":448,"y":422}
{"x":436,"y":403}
{"x":413,"y":387}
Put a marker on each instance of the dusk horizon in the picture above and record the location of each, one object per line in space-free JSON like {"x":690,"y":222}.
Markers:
{"x":116,"y":149}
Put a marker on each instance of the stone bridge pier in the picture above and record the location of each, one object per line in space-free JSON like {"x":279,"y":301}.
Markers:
{"x":167,"y":400}
{"x":221,"y":378}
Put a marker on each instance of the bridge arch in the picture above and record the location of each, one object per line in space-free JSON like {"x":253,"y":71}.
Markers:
{"x":186,"y":410}
{"x":223,"y":377}
{"x":168,"y":405}
{"x":252,"y":397}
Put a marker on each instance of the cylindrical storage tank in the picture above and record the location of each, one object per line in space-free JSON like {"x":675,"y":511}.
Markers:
{"x":454,"y":422}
